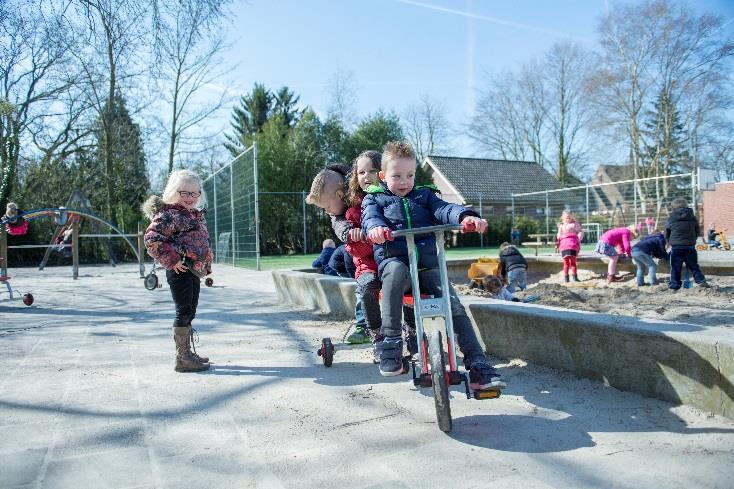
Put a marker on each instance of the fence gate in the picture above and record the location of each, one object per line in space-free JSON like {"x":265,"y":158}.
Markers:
{"x":233,"y":216}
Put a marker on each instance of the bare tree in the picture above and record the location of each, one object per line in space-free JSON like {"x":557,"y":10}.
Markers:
{"x":342,"y":91}
{"x":188,"y":62}
{"x":621,"y":85}
{"x":426,"y":126}
{"x":566,"y":66}
{"x":34,"y":49}
{"x":498,"y":125}
{"x":113,"y":31}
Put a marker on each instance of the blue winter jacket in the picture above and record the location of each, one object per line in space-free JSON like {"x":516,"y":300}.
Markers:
{"x":419,"y":208}
{"x":653,"y":245}
{"x":323,"y":262}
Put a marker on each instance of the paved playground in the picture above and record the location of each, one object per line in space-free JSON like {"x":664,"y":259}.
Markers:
{"x":89,"y":399}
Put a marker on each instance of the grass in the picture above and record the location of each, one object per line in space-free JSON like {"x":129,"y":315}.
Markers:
{"x":292,"y":262}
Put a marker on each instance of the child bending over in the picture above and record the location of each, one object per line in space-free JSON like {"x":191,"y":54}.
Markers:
{"x":398,"y":204}
{"x":513,"y":267}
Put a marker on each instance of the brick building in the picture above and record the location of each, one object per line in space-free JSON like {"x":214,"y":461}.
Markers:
{"x":718,"y":207}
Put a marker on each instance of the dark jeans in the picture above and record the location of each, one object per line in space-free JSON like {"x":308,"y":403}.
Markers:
{"x":678,"y":256}
{"x":396,"y":281}
{"x":185,"y":291}
{"x":368,"y":292}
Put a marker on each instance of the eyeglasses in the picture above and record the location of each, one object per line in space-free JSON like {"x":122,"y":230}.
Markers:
{"x":184,"y":193}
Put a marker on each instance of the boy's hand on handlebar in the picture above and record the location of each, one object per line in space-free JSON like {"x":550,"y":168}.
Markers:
{"x":355,"y":235}
{"x":379,"y":235}
{"x":473,"y":224}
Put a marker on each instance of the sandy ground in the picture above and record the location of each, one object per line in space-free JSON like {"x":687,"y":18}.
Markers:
{"x":89,"y":398}
{"x":697,"y":305}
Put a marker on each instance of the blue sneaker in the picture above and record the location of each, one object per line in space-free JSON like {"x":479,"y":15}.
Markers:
{"x":391,"y":356}
{"x":687,"y":284}
{"x":483,"y":376}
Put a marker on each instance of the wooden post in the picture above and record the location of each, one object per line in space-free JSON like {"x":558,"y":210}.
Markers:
{"x":3,"y":252}
{"x":75,"y":247}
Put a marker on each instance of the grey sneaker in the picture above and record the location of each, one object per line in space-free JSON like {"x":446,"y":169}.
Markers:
{"x":391,"y":356}
{"x":705,"y":285}
{"x":483,"y":376}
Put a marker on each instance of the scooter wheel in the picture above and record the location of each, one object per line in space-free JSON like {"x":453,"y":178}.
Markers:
{"x":327,"y":352}
{"x":28,"y":299}
{"x":209,"y":282}
{"x":701,"y":247}
{"x":151,"y":281}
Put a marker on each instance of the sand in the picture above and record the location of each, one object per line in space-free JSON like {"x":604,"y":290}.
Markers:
{"x":701,"y":306}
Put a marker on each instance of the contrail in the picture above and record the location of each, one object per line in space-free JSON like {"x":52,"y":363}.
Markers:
{"x":487,"y":18}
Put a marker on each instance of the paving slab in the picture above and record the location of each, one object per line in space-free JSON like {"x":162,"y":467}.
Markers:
{"x":89,"y":399}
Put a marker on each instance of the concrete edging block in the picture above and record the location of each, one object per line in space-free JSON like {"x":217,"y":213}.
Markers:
{"x":679,"y":363}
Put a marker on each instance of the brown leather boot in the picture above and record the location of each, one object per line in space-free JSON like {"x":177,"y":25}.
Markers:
{"x":185,"y":361}
{"x":193,"y":351}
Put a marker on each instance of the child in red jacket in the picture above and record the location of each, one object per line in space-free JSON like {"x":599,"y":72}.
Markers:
{"x":332,"y":193}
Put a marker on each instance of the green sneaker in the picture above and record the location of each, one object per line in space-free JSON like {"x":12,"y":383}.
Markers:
{"x":358,"y":337}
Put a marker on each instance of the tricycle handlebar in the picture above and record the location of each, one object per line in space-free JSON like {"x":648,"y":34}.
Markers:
{"x":426,"y":230}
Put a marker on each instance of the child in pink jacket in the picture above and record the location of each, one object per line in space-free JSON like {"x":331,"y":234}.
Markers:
{"x":614,"y":242}
{"x":569,"y":239}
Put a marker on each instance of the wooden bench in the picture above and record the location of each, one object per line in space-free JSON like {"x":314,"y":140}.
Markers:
{"x":538,"y":244}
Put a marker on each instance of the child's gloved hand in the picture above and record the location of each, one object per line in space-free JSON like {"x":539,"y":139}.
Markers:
{"x":379,"y":235}
{"x":355,"y":235}
{"x":473,"y":224}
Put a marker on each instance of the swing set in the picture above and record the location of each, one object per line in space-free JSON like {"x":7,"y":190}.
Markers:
{"x":67,"y":235}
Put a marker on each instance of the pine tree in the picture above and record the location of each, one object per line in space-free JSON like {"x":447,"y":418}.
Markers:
{"x":249,"y":118}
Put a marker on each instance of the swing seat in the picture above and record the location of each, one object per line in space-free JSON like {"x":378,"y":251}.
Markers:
{"x":17,"y":229}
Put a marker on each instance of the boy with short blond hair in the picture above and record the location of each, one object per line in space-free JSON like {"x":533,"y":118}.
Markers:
{"x":398,"y":204}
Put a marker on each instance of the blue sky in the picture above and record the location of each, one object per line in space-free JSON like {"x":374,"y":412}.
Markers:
{"x":399,"y":49}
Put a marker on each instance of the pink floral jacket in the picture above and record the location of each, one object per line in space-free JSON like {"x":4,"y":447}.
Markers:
{"x":176,"y":233}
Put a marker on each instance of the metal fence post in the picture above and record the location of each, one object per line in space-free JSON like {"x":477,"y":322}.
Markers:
{"x":303,"y":205}
{"x":587,"y":205}
{"x":547,"y":214}
{"x":257,"y":208}
{"x":216,"y":221}
{"x":513,"y":209}
{"x":634,"y":193}
{"x":231,"y":207}
{"x":481,"y":236}
{"x":694,"y":205}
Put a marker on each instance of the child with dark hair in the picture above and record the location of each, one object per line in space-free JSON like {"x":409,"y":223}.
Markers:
{"x":649,"y":247}
{"x":341,"y":200}
{"x":513,"y":267}
{"x":681,"y":233}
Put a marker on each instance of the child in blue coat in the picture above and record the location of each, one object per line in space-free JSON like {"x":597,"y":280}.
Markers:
{"x":398,"y":204}
{"x":649,"y":247}
{"x":322,"y":262}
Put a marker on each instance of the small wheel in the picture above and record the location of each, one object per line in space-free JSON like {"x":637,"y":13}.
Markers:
{"x":209,"y":281}
{"x":701,"y":247}
{"x":327,"y":352}
{"x":28,"y":299}
{"x":727,"y":246}
{"x":440,"y":383}
{"x":151,"y":281}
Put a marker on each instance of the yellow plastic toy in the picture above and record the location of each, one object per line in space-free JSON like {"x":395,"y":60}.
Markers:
{"x":483,"y":267}
{"x":721,"y":238}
